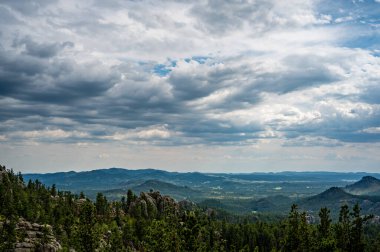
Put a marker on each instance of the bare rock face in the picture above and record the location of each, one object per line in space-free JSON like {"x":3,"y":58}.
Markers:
{"x":168,"y":205}
{"x":186,"y":205}
{"x":153,"y":204}
{"x":35,"y":237}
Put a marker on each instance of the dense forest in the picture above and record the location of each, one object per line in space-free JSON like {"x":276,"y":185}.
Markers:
{"x":152,"y":222}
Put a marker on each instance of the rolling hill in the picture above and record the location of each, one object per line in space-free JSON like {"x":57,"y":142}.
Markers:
{"x":368,"y":185}
{"x":240,"y":193}
{"x":335,"y":197}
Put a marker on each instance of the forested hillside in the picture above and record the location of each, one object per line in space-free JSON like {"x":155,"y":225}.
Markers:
{"x":34,"y":217}
{"x":197,"y":186}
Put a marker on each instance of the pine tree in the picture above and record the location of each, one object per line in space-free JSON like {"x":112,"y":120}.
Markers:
{"x":357,"y":241}
{"x":304,"y":233}
{"x":88,"y":241}
{"x":325,"y":222}
{"x":292,"y":239}
{"x":130,"y":198}
{"x":53,"y":190}
{"x":8,"y":235}
{"x":115,"y":241}
{"x":343,"y":229}
{"x":128,"y":235}
{"x":325,"y":241}
{"x":101,"y":205}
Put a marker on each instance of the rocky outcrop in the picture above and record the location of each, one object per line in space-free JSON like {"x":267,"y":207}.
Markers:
{"x":153,"y":205}
{"x":35,"y":237}
{"x":187,"y":205}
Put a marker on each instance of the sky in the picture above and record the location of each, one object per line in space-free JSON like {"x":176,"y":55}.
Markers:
{"x":210,"y":86}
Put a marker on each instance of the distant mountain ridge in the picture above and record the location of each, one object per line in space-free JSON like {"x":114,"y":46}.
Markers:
{"x":368,"y":185}
{"x":118,"y":180}
{"x":333,"y":193}
{"x":334,"y":197}
{"x":240,"y":192}
{"x":165,"y":188}
{"x":120,"y":174}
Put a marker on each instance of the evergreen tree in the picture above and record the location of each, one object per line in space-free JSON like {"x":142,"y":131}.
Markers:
{"x":115,"y":241}
{"x":325,"y":241}
{"x":53,"y":190}
{"x":305,"y":237}
{"x":325,"y":223}
{"x":101,"y":205}
{"x":8,"y":235}
{"x":292,"y":239}
{"x":117,"y":207}
{"x":82,"y":196}
{"x":88,"y":240}
{"x":84,"y":225}
{"x":357,"y":241}
{"x":45,"y":239}
{"x":124,"y":204}
{"x":129,"y":234}
{"x":343,"y":229}
{"x":130,"y":198}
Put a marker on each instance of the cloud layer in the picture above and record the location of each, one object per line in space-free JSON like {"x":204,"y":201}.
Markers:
{"x":175,"y":74}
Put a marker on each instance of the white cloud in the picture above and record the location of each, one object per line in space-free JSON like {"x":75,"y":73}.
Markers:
{"x":49,"y":134}
{"x":152,"y":132}
{"x":372,"y":130}
{"x":344,"y":19}
{"x":232,"y":73}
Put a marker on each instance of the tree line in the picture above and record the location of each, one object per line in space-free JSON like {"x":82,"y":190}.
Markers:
{"x":151,"y":222}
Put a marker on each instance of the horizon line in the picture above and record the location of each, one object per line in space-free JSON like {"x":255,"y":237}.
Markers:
{"x":195,"y":171}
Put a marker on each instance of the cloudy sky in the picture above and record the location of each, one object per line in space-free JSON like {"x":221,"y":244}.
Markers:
{"x":227,"y":86}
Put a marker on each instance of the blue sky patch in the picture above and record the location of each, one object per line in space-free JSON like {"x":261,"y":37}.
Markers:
{"x":161,"y":70}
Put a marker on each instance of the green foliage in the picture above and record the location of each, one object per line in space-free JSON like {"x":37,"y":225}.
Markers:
{"x":343,"y":229}
{"x":8,"y":235}
{"x":87,"y":237}
{"x":324,"y":233}
{"x":154,"y":223}
{"x":102,"y":207}
{"x":292,"y":239}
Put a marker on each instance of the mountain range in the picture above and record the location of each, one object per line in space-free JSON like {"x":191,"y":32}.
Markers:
{"x":239,"y":193}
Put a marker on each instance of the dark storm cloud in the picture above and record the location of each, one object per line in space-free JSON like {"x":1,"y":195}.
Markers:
{"x":303,"y":72}
{"x":199,"y":81}
{"x":14,"y":63}
{"x":37,"y":79}
{"x":16,"y":71}
{"x":137,"y":101}
{"x":84,"y":85}
{"x":219,"y":132}
{"x":43,"y":50}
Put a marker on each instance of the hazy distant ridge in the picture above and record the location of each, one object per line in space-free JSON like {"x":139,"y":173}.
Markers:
{"x":239,"y":192}
{"x":367,"y":185}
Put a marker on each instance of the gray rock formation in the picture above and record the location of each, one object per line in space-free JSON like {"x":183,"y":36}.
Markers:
{"x":153,"y":204}
{"x":35,"y":237}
